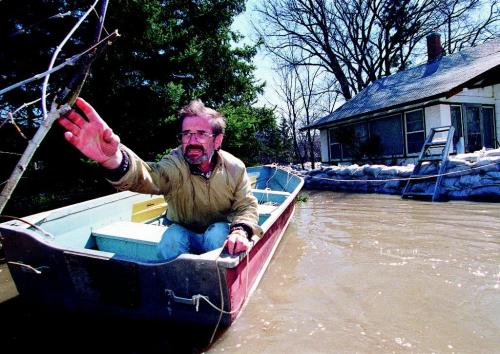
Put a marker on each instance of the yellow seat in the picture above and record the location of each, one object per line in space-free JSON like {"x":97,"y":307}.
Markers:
{"x":148,"y":210}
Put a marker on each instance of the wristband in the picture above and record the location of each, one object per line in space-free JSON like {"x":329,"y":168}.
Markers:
{"x":241,"y":228}
{"x":117,"y":173}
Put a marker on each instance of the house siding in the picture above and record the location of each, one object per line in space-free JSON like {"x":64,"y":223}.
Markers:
{"x":496,"y":95}
{"x":325,"y":145}
{"x":437,"y":116}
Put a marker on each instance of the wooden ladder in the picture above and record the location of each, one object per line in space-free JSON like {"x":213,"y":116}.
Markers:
{"x":434,"y":152}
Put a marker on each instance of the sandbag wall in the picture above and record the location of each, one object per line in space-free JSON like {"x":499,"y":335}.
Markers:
{"x":474,"y":176}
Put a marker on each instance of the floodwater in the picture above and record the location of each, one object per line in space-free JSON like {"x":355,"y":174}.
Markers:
{"x":355,"y":273}
{"x":360,"y":273}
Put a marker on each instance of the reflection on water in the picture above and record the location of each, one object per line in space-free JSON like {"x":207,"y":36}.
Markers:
{"x":378,"y":274}
{"x":354,"y":273}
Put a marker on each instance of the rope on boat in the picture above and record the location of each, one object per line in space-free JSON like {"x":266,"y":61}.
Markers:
{"x":197,"y":298}
{"x":270,"y":178}
{"x":36,"y":227}
{"x":396,"y":179}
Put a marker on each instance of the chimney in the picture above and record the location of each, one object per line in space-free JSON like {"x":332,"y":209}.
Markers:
{"x":434,"y":48}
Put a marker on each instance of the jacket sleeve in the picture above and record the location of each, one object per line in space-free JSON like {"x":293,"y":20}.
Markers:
{"x":145,"y":177}
{"x":244,"y":209}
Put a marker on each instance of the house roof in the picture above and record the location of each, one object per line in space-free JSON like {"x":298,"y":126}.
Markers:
{"x":442,"y":78}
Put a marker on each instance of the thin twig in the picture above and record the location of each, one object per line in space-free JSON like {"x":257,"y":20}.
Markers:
{"x":56,"y":53}
{"x":72,"y":89}
{"x":70,"y":61}
{"x":5,"y":120}
{"x":10,"y":153}
{"x":103,"y":28}
{"x":11,"y":117}
{"x":56,"y":16}
{"x":101,"y":16}
{"x":24,"y":105}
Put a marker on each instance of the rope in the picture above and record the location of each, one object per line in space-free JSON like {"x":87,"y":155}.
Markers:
{"x":398,"y":179}
{"x":36,"y":227}
{"x":203,"y":297}
{"x":270,"y":178}
{"x":221,"y":310}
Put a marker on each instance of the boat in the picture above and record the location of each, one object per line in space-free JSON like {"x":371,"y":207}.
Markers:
{"x":100,"y":256}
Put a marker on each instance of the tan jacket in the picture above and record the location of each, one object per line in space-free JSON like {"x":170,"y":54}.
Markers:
{"x":194,"y":201}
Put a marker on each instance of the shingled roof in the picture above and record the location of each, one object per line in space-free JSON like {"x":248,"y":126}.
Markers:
{"x":442,"y":78}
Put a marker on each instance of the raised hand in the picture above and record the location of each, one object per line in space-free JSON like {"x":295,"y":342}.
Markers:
{"x":93,"y":137}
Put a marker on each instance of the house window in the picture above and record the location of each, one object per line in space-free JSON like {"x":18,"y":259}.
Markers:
{"x":347,"y":141}
{"x":415,"y":133}
{"x":488,"y":126}
{"x":473,"y":126}
{"x":335,"y":147}
{"x":354,"y":139}
{"x":456,"y":122}
{"x":480,"y":127}
{"x":389,"y":133}
{"x":336,"y":151}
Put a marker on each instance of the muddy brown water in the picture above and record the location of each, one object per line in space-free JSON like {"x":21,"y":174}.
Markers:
{"x":354,"y":273}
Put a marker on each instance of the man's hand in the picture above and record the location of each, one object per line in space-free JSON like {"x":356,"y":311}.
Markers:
{"x":237,"y":242}
{"x":92,"y":137}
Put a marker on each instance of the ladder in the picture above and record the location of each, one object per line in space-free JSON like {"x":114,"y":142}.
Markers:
{"x":431,"y":165}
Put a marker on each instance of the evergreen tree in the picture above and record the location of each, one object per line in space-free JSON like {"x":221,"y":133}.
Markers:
{"x":169,"y":52}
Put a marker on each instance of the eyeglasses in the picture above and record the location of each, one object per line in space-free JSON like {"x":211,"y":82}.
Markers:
{"x":200,"y":135}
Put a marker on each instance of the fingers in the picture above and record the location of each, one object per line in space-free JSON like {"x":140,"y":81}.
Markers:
{"x":237,"y":243}
{"x":110,"y":137}
{"x":72,"y":139}
{"x":87,"y":109}
{"x":75,"y":118}
{"x":69,"y":126}
{"x":72,"y":122}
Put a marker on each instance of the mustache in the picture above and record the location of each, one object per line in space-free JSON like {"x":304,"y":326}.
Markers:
{"x":194,"y":146}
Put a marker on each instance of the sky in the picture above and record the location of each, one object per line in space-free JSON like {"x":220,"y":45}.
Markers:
{"x":263,"y":62}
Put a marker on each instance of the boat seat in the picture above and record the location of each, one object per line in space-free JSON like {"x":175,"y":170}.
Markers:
{"x":266,"y":208}
{"x":130,"y":239}
{"x":149,"y":209}
{"x":265,"y":196}
{"x":268,"y":191}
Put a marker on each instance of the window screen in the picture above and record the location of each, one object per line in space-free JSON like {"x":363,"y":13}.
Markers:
{"x":415,"y":134}
{"x":389,"y":130}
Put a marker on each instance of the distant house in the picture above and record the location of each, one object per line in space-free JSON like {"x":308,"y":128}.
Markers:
{"x":394,"y":114}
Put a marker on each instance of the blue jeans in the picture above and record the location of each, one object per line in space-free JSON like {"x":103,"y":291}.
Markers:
{"x":178,"y":240}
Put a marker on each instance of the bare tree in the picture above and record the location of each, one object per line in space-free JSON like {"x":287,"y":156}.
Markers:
{"x":290,"y":112}
{"x":465,"y":23}
{"x":306,"y":94}
{"x":360,"y":41}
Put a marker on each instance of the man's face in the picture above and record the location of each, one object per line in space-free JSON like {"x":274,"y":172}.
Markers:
{"x":199,"y":146}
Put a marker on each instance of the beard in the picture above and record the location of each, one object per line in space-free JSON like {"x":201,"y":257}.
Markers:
{"x":196,"y":154}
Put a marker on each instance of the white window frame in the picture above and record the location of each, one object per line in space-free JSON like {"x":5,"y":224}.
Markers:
{"x":413,"y":132}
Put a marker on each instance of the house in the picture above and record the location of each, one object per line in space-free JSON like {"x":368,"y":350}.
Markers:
{"x":392,"y":116}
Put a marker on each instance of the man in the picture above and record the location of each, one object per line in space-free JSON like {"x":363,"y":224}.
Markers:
{"x":205,"y":187}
